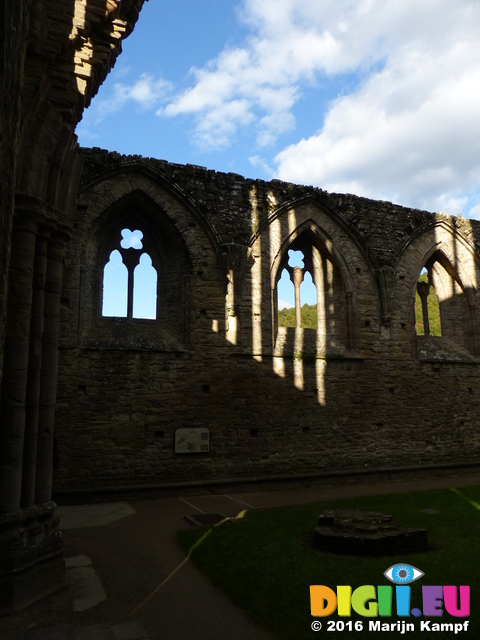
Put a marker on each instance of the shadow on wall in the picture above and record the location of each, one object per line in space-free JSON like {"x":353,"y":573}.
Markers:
{"x":446,"y":294}
{"x":349,"y":395}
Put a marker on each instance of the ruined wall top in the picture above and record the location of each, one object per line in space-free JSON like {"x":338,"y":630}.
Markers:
{"x":237,"y":207}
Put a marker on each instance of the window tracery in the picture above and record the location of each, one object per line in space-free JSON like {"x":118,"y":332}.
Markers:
{"x":297,"y":294}
{"x":328,"y":315}
{"x":130,"y":280}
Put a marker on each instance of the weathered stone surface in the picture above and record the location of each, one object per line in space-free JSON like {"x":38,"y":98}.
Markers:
{"x":365,"y":533}
{"x":98,"y":399}
{"x":31,"y":556}
{"x":353,"y":394}
{"x":54,"y":57}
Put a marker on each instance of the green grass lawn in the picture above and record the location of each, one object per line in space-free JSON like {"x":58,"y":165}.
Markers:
{"x":266,"y":562}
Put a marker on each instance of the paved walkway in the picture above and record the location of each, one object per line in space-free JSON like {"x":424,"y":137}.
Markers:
{"x":118,"y":554}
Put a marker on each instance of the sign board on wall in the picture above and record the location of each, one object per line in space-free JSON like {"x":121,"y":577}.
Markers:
{"x":192,"y":440}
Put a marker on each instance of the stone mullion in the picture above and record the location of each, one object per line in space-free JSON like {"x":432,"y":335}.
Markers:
{"x":423,"y":289}
{"x":297,"y":281}
{"x":131,"y":258}
{"x":130,"y":292}
{"x":48,"y":387}
{"x":15,"y":372}
{"x":34,"y":374}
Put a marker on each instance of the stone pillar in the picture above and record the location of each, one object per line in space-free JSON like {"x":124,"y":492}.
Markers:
{"x":319,"y":280}
{"x":34,"y":373}
{"x":130,"y":294}
{"x":48,"y":388}
{"x":31,"y":553}
{"x":15,"y":371}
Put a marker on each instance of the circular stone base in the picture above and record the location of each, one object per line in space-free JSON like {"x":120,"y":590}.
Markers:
{"x":365,"y":533}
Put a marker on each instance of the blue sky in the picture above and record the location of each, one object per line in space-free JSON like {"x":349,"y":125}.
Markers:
{"x":376,"y":98}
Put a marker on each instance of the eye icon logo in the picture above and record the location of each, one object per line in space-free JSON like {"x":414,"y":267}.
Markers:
{"x":403,"y":574}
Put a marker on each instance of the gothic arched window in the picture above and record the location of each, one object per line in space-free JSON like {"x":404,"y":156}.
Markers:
{"x":311,"y":285}
{"x":427,"y":308}
{"x":130,"y":280}
{"x":297,"y":296}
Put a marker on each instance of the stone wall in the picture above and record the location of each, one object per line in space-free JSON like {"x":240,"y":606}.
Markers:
{"x":361,"y":391}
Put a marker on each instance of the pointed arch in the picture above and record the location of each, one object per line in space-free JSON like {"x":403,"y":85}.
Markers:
{"x":161,"y":244}
{"x":452,"y":265}
{"x":454,"y":308}
{"x":331,"y":278}
{"x":307,"y":234}
{"x":135,"y":171}
{"x":157,"y":264}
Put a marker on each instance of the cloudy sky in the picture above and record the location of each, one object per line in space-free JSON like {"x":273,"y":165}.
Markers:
{"x":373,"y":97}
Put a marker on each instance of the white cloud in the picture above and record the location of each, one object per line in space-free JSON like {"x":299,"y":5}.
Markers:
{"x":290,"y":46}
{"x":284,"y":304}
{"x":146,"y":93}
{"x":217,"y":126}
{"x":259,"y":162}
{"x":410,"y":132}
{"x":123,"y":69}
{"x":475,"y":211}
{"x":402,"y":50}
{"x":405,"y":128}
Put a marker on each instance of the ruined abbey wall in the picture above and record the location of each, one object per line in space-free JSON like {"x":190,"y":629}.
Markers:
{"x":98,"y":399}
{"x":363,"y":391}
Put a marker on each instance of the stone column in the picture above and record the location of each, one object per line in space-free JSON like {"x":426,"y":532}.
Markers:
{"x":48,"y":388}
{"x":15,"y":371}
{"x":34,"y":374}
{"x":297,"y":281}
{"x":31,"y":552}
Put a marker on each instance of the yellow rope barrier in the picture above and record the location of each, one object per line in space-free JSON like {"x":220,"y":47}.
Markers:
{"x":191,"y":550}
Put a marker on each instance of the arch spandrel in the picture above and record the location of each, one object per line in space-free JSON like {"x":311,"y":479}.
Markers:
{"x":100,"y":198}
{"x":130,"y":175}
